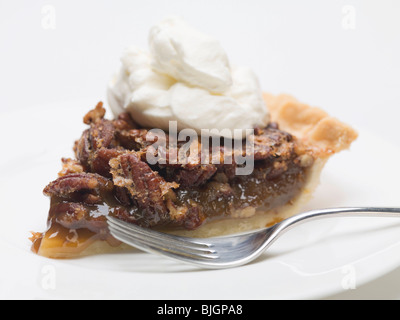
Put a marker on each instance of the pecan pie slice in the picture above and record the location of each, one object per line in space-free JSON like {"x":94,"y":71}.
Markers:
{"x":111,"y":175}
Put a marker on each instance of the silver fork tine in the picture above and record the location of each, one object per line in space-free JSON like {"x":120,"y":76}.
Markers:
{"x":153,"y":246}
{"x":152,"y":239}
{"x":159,"y":236}
{"x":162,"y":245}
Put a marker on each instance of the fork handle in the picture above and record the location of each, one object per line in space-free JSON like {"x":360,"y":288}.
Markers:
{"x":309,"y":216}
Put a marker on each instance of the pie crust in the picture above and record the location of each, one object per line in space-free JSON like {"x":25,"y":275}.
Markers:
{"x":320,"y":133}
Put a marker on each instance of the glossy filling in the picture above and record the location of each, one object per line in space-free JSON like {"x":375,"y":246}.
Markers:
{"x":249,"y":193}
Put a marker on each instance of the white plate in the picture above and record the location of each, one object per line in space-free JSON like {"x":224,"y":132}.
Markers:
{"x":314,"y":261}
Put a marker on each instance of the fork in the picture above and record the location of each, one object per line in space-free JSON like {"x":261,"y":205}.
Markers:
{"x":227,"y":251}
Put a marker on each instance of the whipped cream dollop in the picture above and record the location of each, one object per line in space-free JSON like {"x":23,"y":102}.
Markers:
{"x":186,"y":77}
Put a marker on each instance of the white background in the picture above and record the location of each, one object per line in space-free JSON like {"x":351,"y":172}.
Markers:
{"x":304,"y":48}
